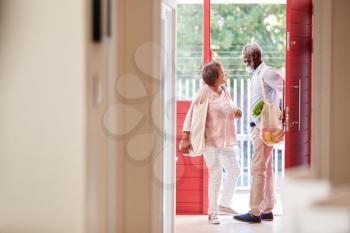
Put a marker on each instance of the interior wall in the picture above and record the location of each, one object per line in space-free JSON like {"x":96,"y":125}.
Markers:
{"x":321,"y":89}
{"x":340,"y":86}
{"x":330,"y":91}
{"x":138,"y":136}
{"x":59,"y":119}
{"x":42,"y":120}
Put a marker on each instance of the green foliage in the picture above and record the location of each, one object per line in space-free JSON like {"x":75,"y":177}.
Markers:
{"x":232,"y":26}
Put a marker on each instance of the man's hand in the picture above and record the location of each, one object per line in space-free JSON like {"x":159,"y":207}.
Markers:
{"x":237,"y":113}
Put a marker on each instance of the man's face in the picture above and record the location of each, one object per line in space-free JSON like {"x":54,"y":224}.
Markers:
{"x":249,"y":62}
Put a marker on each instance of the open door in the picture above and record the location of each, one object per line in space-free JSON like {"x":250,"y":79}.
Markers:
{"x":192,"y":173}
{"x":298,"y":83}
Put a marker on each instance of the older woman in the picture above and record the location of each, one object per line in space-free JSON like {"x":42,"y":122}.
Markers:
{"x":220,"y":138}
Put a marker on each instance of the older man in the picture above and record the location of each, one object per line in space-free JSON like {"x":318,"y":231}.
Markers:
{"x":262,"y":191}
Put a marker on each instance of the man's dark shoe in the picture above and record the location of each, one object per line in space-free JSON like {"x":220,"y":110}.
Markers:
{"x":267,"y":217}
{"x":248,"y":218}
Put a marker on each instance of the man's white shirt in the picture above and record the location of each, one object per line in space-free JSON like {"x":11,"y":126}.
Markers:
{"x":273,"y":85}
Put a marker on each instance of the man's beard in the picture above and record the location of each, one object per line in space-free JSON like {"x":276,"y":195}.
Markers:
{"x":249,"y":67}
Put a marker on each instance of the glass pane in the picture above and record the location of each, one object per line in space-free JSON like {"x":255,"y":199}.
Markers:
{"x":189,"y":57}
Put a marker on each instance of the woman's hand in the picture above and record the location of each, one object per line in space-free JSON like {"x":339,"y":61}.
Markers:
{"x":185,"y":143}
{"x":237,"y":113}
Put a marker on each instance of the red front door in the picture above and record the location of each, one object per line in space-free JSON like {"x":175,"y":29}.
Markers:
{"x":192,"y":173}
{"x":298,"y":82}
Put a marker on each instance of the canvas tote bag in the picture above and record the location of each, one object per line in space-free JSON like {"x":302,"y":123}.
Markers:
{"x":197,"y":133}
{"x":271,"y":127}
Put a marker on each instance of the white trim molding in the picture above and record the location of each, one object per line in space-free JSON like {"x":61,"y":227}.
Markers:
{"x":321,"y":88}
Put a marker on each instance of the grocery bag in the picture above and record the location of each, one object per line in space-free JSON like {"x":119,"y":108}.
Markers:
{"x":197,"y":133}
{"x":271,"y":127}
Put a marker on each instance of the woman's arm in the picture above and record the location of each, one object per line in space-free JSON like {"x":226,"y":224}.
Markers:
{"x":185,"y":143}
{"x":236,"y":112}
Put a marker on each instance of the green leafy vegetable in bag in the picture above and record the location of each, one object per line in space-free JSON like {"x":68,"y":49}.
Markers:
{"x":257,"y":108}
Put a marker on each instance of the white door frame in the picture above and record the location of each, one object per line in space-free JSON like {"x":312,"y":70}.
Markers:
{"x":168,"y":35}
{"x":321,"y":94}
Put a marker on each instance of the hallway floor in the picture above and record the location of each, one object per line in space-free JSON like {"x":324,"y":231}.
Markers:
{"x":199,"y":223}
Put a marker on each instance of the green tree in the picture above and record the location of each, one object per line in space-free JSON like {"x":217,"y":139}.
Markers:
{"x":232,"y":26}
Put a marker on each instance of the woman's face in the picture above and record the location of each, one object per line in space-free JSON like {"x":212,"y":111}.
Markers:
{"x":221,"y":79}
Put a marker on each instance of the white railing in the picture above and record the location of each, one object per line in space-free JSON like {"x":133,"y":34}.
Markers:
{"x":240,"y":93}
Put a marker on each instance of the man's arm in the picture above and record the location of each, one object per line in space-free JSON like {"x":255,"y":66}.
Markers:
{"x":273,"y":79}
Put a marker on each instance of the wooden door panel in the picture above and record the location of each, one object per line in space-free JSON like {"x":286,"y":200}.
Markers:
{"x":293,"y":101}
{"x":298,"y":137}
{"x":182,"y":106}
{"x":298,"y":82}
{"x":297,"y":57}
{"x":300,"y":153}
{"x":180,"y":119}
{"x":301,"y":17}
{"x":189,"y":184}
{"x":301,"y":30}
{"x":185,"y":196}
{"x":303,"y":76}
{"x":299,"y":43}
{"x":301,"y":5}
{"x":299,"y":71}
{"x":299,"y":149}
{"x":304,"y":106}
{"x":294,"y":92}
{"x":299,"y":156}
{"x":297,"y":161}
{"x":294,"y":128}
{"x":303,"y":114}
{"x":191,"y":178}
{"x":187,"y":170}
{"x":188,"y":208}
{"x":178,"y":133}
{"x":293,"y":89}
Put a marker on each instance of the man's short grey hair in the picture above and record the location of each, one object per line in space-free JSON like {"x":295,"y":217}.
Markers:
{"x":251,"y":49}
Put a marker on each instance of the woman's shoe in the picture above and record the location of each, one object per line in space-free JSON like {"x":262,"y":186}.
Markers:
{"x":213,"y":218}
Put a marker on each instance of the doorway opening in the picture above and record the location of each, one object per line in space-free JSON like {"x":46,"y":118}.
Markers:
{"x":232,"y":25}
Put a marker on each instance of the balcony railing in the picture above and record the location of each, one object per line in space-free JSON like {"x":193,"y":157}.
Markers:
{"x":240,"y":93}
